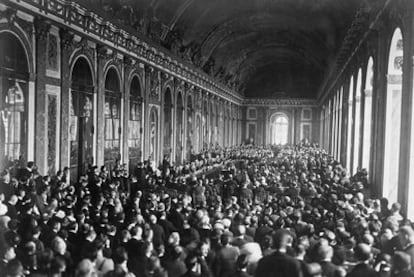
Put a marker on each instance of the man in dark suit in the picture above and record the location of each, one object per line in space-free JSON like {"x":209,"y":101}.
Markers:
{"x":176,"y":217}
{"x":362,"y":253}
{"x":141,"y":173}
{"x":27,"y":172}
{"x":135,"y":243}
{"x":166,"y":224}
{"x":226,"y":257}
{"x":279,"y":263}
{"x":325,"y":254}
{"x":229,"y":187}
{"x":158,"y":232}
{"x":406,"y":235}
{"x":6,"y":186}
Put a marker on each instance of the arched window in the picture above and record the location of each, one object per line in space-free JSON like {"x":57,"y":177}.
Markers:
{"x":134,"y":123}
{"x":357,"y":122}
{"x":393,"y":118}
{"x":366,"y":144}
{"x":112,"y":148}
{"x":279,"y":128}
{"x":349,"y":124}
{"x":81,"y":118}
{"x":14,"y":76}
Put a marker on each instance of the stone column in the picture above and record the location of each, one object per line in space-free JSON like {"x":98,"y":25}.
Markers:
{"x":123,"y":82}
{"x":184,"y":134}
{"x":342,"y":127}
{"x":100,"y":127}
{"x":146,"y":114}
{"x":320,"y":115}
{"x":173,"y":121}
{"x":128,"y":68}
{"x":379,"y":109}
{"x":267,"y":136}
{"x":67,"y":48}
{"x":294,"y":127}
{"x":406,"y":163}
{"x":207,"y":123}
{"x":42,"y":30}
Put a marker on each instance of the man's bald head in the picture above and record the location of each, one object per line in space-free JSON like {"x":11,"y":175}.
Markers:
{"x":406,"y":235}
{"x":362,"y":252}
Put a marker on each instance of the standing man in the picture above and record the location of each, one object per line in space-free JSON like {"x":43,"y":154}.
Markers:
{"x":279,"y":263}
{"x":406,"y":235}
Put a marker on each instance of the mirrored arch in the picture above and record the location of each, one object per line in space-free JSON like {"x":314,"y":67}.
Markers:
{"x":81,"y":112}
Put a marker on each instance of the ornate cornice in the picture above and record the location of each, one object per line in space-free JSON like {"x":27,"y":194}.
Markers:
{"x":367,"y":20}
{"x":10,"y":14}
{"x":293,"y":102}
{"x":97,"y":28}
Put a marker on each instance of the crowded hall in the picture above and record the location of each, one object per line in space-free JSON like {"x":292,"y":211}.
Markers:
{"x":207,"y":138}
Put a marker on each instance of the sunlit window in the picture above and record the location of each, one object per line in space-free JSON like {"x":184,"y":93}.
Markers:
{"x":13,"y":91}
{"x":393,"y":118}
{"x":366,"y":147}
{"x":279,"y":129}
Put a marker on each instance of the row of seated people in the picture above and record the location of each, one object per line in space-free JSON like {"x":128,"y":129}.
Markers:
{"x":269,"y":211}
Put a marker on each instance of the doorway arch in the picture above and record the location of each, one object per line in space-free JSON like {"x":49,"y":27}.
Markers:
{"x":112,"y":113}
{"x":81,"y":112}
{"x":279,"y":128}
{"x":135,"y":123}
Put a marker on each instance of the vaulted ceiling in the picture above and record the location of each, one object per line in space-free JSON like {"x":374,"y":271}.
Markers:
{"x":261,"y":48}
